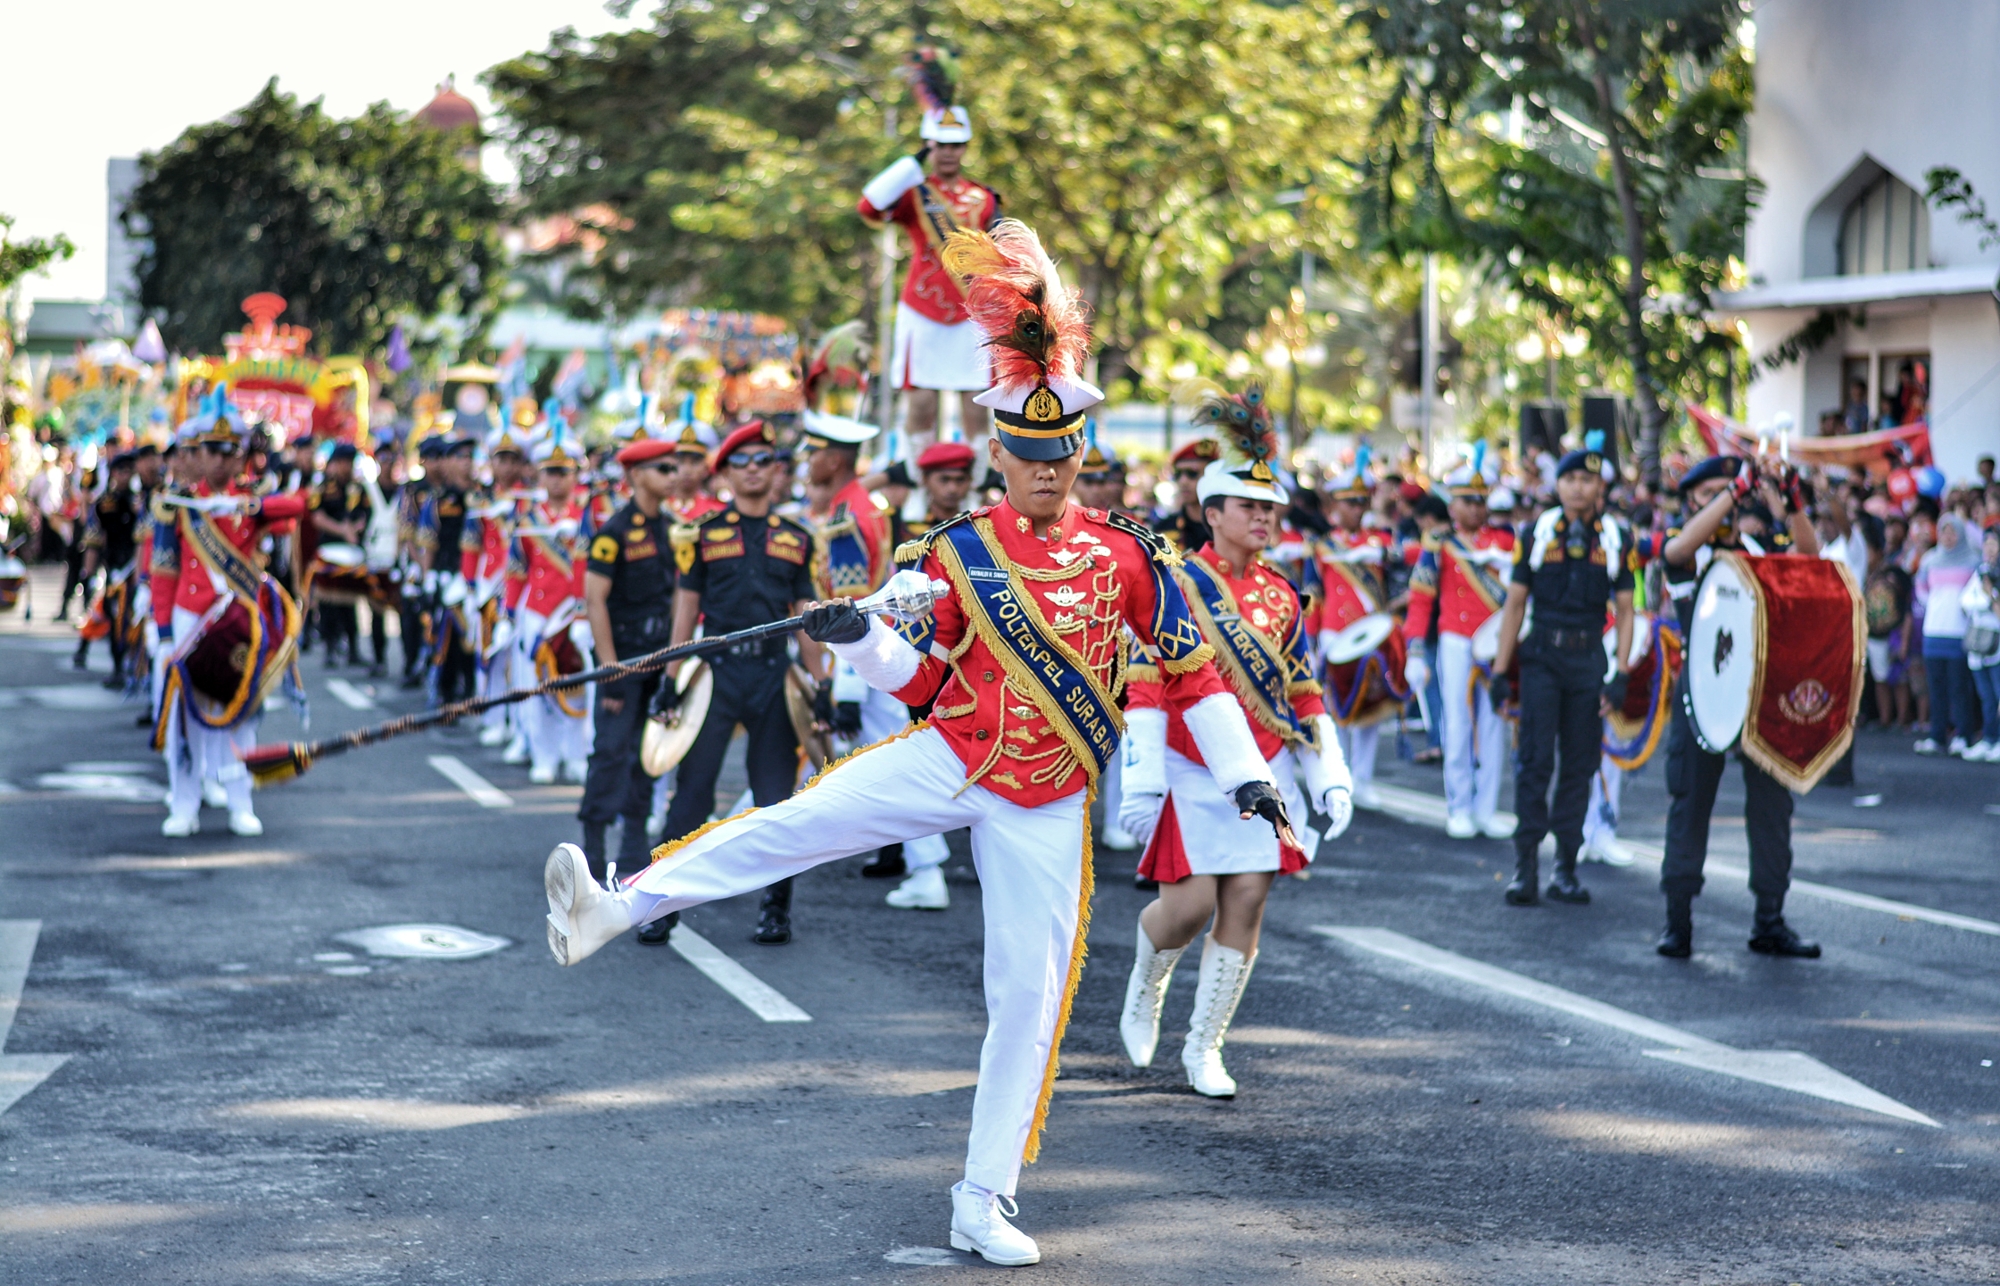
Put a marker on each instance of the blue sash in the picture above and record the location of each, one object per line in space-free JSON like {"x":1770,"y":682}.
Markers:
{"x":846,"y":558}
{"x":1262,"y":674}
{"x":1040,"y":665}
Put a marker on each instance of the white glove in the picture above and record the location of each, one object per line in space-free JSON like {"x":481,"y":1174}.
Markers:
{"x":1327,"y":779}
{"x":1338,"y":805}
{"x":1140,"y":815}
{"x":1416,"y":672}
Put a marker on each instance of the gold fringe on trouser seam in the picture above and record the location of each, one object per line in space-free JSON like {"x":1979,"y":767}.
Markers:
{"x":1085,"y":887}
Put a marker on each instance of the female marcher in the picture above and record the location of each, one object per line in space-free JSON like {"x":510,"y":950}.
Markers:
{"x":1940,"y":584}
{"x":1209,"y":861}
{"x":1981,"y":601}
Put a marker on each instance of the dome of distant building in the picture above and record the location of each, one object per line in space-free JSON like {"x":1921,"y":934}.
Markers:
{"x":449,"y":110}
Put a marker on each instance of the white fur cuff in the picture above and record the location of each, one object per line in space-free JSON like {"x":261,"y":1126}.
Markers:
{"x":1326,"y":770}
{"x":1222,"y":734}
{"x":887,"y":188}
{"x":1143,"y":767}
{"x":883,"y":657}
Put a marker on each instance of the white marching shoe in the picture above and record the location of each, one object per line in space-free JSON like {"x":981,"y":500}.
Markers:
{"x":583,"y":915}
{"x":575,"y":770}
{"x":1496,"y":827}
{"x":924,"y":890}
{"x":980,"y":1226}
{"x":213,"y":795}
{"x":244,"y":822}
{"x":1145,"y":993}
{"x":516,"y":751}
{"x":542,"y":774}
{"x":178,"y":826}
{"x":1460,"y":826}
{"x":493,"y":735}
{"x":1609,"y":850}
{"x":1224,"y":973}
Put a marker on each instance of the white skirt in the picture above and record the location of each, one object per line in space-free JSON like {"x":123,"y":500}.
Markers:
{"x":930,"y":354}
{"x":1214,"y":839}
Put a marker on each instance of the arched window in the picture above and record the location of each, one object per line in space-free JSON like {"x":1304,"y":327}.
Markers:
{"x":1885,"y":229}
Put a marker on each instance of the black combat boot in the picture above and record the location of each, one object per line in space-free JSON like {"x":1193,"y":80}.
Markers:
{"x":1527,"y":871}
{"x":1773,"y":937}
{"x":654,"y":933}
{"x":1563,"y":884}
{"x":887,"y":864}
{"x":1677,"y":939}
{"x":774,"y":915}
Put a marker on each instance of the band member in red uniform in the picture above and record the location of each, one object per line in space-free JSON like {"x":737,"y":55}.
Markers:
{"x":1210,"y":862}
{"x":551,"y":632}
{"x":1457,"y":588}
{"x":1352,"y":564}
{"x":1025,"y":656}
{"x":937,"y":347}
{"x":228,"y":632}
{"x":493,"y":590}
{"x":688,"y":501}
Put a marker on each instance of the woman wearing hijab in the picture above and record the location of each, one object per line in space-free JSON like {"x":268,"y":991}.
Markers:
{"x":1941,"y":579}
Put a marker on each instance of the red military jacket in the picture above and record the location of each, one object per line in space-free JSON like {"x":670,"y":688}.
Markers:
{"x":852,"y":512}
{"x":179,"y":576}
{"x":929,"y":289}
{"x":1090,"y":581}
{"x":1271,"y":609}
{"x":1446,"y":581}
{"x":551,"y":566}
{"x":1350,"y":588}
{"x":486,"y":547}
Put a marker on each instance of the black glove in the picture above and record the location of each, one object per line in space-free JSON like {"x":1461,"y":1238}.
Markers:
{"x":847,"y":719}
{"x":666,"y":699}
{"x":835,"y":622}
{"x":1262,"y":799}
{"x":1793,"y":485}
{"x":823,"y":705}
{"x":1746,"y":482}
{"x":1500,"y":688}
{"x":1614,"y":689}
{"x":922,"y":154}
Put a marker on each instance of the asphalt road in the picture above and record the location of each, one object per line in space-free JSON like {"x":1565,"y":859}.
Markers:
{"x":248,"y":1099}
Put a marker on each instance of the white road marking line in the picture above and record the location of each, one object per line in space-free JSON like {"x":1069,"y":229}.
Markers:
{"x":758,"y":996}
{"x":1784,"y":1069}
{"x":349,"y":695}
{"x":19,"y":1073}
{"x":483,"y":792}
{"x":1428,"y":809}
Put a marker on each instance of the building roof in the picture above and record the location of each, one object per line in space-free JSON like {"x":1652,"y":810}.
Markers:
{"x":1871,"y":288}
{"x":449,"y":110}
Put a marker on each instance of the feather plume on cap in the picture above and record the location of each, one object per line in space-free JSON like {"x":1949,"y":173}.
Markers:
{"x":1035,"y":325}
{"x":1240,"y":421}
{"x":933,"y":76}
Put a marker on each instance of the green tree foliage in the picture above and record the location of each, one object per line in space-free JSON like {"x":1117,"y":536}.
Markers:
{"x":716,"y":156}
{"x":1619,"y":205}
{"x":357,"y":223}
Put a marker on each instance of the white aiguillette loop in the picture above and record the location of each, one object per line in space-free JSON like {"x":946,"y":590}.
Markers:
{"x":907,"y":596}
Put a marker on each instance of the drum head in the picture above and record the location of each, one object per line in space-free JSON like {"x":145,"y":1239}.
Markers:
{"x":1360,"y":638}
{"x":1486,"y":640}
{"x":665,"y":742}
{"x":338,"y":554}
{"x":799,"y":688}
{"x":1721,"y":656}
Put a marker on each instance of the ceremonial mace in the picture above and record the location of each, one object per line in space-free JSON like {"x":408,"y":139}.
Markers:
{"x":907,"y":596}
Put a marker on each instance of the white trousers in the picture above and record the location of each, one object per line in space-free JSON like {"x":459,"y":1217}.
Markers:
{"x":1600,"y":819}
{"x":1475,"y":739}
{"x":196,"y":753}
{"x":1359,"y":746}
{"x":495,"y":677}
{"x":1030,"y":863}
{"x":882,"y":717}
{"x":553,"y":737}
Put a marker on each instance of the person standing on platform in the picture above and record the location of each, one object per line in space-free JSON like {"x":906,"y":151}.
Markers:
{"x":1576,"y":560}
{"x":740,"y":567}
{"x":548,"y":555}
{"x":1025,"y":720}
{"x":1453,"y":592}
{"x":936,"y":345}
{"x":628,"y":592}
{"x":1215,"y":867}
{"x":1711,"y":493}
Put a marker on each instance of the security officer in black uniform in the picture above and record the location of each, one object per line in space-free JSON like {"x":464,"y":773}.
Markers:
{"x":1712,"y":492}
{"x":411,"y":499}
{"x":110,"y":541}
{"x":628,"y":591}
{"x":741,"y":567}
{"x":1570,"y":565}
{"x":338,"y":508}
{"x":439,"y":540}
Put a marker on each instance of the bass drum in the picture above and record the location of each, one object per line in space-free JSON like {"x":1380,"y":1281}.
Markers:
{"x":799,"y":690}
{"x":1722,"y":645}
{"x":667,"y":738}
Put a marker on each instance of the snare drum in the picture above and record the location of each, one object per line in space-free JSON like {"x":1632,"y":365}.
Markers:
{"x":1774,"y":657}
{"x":1368,"y":689}
{"x":1360,"y":638}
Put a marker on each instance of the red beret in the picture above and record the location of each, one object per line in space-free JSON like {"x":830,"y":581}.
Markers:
{"x":1201,"y":451}
{"x":644,"y":450}
{"x":755,"y":433}
{"x":945,"y":455}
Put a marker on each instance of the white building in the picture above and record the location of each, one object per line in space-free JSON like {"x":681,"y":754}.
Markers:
{"x":1856,"y":101}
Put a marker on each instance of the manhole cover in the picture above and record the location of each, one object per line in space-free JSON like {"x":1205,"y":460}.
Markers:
{"x":423,"y":941}
{"x":924,"y":1256}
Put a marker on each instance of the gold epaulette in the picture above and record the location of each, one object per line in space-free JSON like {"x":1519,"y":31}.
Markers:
{"x":911,"y":550}
{"x":1162,"y":549}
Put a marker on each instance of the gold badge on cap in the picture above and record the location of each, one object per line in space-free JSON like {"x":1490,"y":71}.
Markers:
{"x":1042,"y":406}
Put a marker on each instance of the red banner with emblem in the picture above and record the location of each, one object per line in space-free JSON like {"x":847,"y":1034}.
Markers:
{"x":1810,"y":650}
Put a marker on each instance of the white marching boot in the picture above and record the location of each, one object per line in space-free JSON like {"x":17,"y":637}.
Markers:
{"x":980,"y":1226}
{"x":1224,"y":973}
{"x":243,"y":821}
{"x":923,"y":891}
{"x":1152,"y":970}
{"x":181,"y":825}
{"x":493,"y":734}
{"x":583,"y":916}
{"x":213,"y":795}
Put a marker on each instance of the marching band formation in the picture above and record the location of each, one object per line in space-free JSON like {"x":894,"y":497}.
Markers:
{"x":1005,"y":651}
